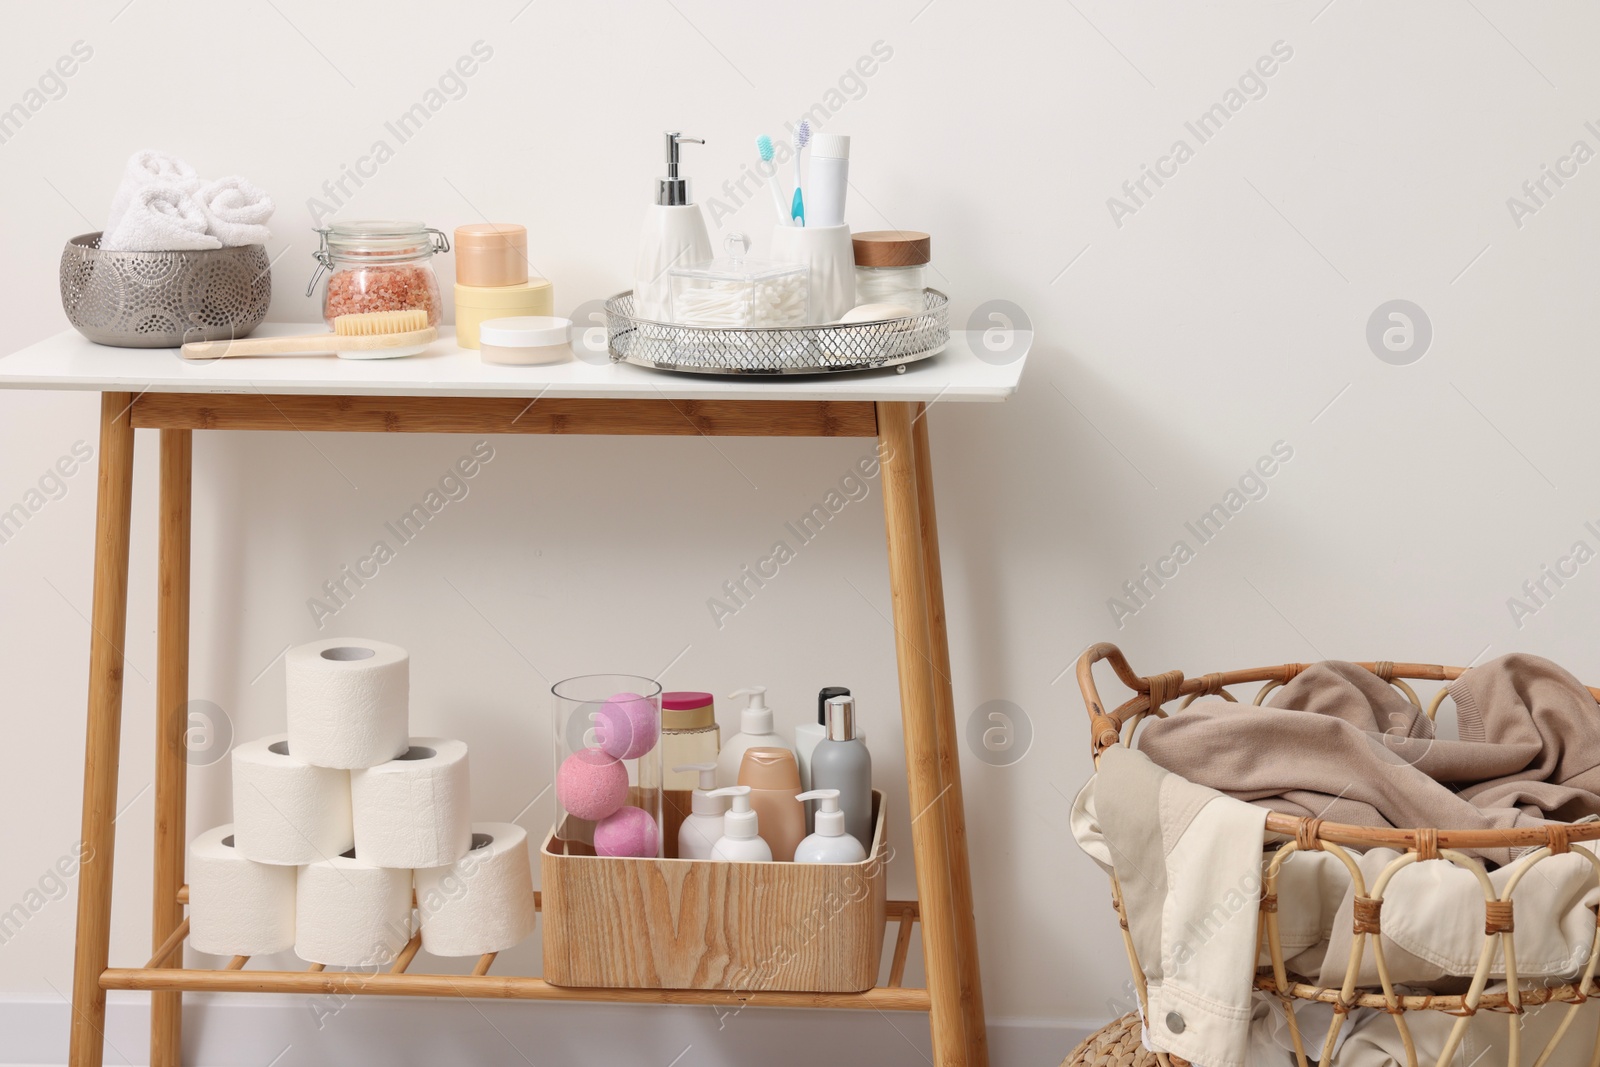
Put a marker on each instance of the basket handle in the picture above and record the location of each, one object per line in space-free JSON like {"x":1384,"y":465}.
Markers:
{"x":1149,"y":693}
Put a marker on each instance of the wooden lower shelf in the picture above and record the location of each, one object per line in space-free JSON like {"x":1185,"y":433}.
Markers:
{"x":234,"y":977}
{"x":166,"y":979}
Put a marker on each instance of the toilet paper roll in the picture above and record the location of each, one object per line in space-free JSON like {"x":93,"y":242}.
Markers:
{"x":237,"y":907}
{"x":350,"y":913}
{"x":414,"y":811}
{"x":349,"y":702}
{"x":284,"y":809}
{"x":483,"y":902}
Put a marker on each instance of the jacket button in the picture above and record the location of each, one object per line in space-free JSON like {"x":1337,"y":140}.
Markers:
{"x":1174,"y":1022}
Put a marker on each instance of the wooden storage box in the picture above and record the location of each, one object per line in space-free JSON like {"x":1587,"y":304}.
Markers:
{"x":694,"y":924}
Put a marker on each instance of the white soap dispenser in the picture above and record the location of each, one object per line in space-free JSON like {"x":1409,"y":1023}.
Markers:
{"x":701,"y":829}
{"x":755,"y":731}
{"x":830,"y":844}
{"x":741,"y":839}
{"x":674,"y":236}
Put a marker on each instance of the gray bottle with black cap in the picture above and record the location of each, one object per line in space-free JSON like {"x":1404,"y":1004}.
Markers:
{"x":841,"y":761}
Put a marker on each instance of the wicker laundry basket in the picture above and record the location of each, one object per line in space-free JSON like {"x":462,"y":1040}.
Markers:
{"x":1150,"y":697}
{"x":1116,"y":1044}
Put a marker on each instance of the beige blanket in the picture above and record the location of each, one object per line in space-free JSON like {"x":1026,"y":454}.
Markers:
{"x":1529,"y":749}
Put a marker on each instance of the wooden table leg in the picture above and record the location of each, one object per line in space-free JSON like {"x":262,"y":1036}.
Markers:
{"x":108,"y":628}
{"x":172,"y":724}
{"x":930,"y":834}
{"x":949,"y":752}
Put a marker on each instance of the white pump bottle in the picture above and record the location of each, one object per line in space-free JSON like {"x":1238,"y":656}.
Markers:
{"x":741,"y":838}
{"x":830,"y":844}
{"x":674,"y":235}
{"x":700,"y":830}
{"x":755,"y":731}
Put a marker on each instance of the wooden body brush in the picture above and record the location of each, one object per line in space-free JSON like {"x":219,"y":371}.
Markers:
{"x":369,"y":335}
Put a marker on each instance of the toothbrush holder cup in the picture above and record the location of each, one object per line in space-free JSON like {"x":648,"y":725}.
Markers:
{"x":827,"y":252}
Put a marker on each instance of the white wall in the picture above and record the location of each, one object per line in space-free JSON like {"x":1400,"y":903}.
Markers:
{"x":1177,"y":343}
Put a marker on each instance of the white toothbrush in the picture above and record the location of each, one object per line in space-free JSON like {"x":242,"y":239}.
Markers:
{"x":802,"y":137}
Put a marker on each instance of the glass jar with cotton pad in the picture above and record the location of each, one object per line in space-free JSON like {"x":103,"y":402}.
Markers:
{"x":891,"y":268}
{"x":737,"y":292}
{"x":526,"y":340}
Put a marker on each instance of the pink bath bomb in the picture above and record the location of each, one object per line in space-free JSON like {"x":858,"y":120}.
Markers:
{"x":591,"y":785}
{"x":626,"y":726}
{"x":627,"y":832}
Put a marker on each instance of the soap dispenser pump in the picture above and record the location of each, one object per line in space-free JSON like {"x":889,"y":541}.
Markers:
{"x":700,"y":830}
{"x":755,"y":731}
{"x":741,"y":838}
{"x":830,"y":844}
{"x":674,"y":235}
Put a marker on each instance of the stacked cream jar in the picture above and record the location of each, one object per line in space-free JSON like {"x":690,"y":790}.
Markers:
{"x":492,"y":278}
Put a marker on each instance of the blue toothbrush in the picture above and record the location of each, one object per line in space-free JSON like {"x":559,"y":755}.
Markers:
{"x":765,"y":147}
{"x":802,"y":137}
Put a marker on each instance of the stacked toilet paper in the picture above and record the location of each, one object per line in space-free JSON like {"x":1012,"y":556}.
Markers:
{"x":335,"y":820}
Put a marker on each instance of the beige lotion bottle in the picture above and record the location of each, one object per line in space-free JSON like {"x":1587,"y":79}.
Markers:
{"x":674,"y":236}
{"x":774,"y":780}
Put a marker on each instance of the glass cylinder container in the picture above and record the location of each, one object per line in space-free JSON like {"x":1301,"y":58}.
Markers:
{"x":608,"y":777}
{"x":379,"y":266}
{"x":738,"y":292}
{"x":891,"y":268}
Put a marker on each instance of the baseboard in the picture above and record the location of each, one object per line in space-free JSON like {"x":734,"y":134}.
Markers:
{"x":302,"y":1031}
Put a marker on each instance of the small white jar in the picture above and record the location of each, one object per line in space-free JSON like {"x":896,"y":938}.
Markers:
{"x":526,"y":340}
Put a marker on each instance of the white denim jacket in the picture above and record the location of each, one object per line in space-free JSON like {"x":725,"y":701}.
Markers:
{"x":1188,"y":860}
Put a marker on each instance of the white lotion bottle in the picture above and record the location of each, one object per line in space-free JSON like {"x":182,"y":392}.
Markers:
{"x":840,"y":761}
{"x":699,"y":832}
{"x":674,"y":235}
{"x":829,"y":179}
{"x":741,"y":838}
{"x":755,"y":731}
{"x":830,"y":844}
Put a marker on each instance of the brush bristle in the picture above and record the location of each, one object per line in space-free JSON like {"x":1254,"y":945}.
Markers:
{"x":375,"y":323}
{"x":802,"y":133}
{"x":764,"y":146}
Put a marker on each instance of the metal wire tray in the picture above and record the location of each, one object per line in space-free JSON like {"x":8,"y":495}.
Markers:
{"x":821,"y":349}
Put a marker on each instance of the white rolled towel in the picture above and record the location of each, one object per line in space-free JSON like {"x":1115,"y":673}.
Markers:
{"x":144,"y":168}
{"x":160,"y":218}
{"x":237,"y":211}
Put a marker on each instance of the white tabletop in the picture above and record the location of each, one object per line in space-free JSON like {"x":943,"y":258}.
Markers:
{"x":69,"y":361}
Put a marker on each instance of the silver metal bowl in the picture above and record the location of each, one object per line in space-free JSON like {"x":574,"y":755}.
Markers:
{"x":163,"y":299}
